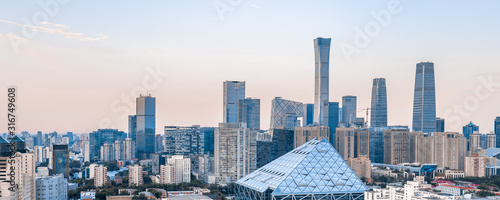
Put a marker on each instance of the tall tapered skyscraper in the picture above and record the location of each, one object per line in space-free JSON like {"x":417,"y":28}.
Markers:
{"x":424,"y":101}
{"x":145,"y":126}
{"x":378,"y":115}
{"x":321,"y":78}
{"x":233,"y":91}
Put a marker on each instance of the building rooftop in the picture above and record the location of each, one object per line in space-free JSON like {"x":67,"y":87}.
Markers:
{"x":314,"y":167}
{"x":189,"y":197}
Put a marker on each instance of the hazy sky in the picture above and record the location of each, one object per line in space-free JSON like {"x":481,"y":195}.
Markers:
{"x":78,"y":64}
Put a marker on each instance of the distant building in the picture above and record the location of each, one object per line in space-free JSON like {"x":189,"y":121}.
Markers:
{"x":308,"y":117}
{"x":285,"y":113}
{"x":497,"y":130}
{"x":184,"y":140}
{"x":20,"y":167}
{"x":321,"y":79}
{"x":352,"y":142}
{"x":445,"y":149}
{"x":304,"y":134}
{"x":332,"y":114}
{"x":167,"y":174}
{"x":107,"y":153}
{"x":181,"y":167}
{"x":98,"y":138}
{"x":476,"y":163}
{"x":280,"y":143}
{"x":135,"y":175}
{"x":53,"y":187}
{"x":396,"y":146}
{"x":378,"y":115}
{"x":349,"y":110}
{"x":469,"y":129}
{"x":100,"y":175}
{"x":130,"y":149}
{"x":235,"y":152}
{"x":146,"y":122}
{"x":158,"y":143}
{"x":249,"y":112}
{"x":424,"y":99}
{"x":233,"y":92}
{"x":361,"y":166}
{"x":60,"y":159}
{"x":440,"y":125}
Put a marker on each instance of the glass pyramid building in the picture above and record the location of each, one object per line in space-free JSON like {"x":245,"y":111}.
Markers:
{"x":314,"y":170}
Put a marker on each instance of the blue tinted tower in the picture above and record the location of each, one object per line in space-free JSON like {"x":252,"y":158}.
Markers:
{"x":469,"y":129}
{"x":497,"y":130}
{"x":379,"y":103}
{"x":424,"y":99}
{"x":145,"y":130}
{"x":233,"y":91}
{"x":349,"y":109}
{"x":439,"y":125}
{"x":249,"y":112}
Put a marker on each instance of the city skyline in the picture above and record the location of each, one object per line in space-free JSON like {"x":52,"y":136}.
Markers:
{"x":79,"y":86}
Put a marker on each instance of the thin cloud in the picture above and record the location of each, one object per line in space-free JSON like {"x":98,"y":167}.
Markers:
{"x":59,"y":29}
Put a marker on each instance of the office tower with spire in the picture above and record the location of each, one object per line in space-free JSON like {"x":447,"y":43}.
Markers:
{"x":349,"y":109}
{"x":378,"y":116}
{"x":233,"y":91}
{"x":146,"y":123}
{"x":424,"y":100}
{"x":470,"y":129}
{"x":321,"y":78}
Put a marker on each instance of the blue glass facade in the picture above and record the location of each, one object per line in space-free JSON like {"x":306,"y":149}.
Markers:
{"x":333,"y":119}
{"x":308,"y":114}
{"x":376,"y":138}
{"x":145,"y":134}
{"x":439,"y":125}
{"x":497,"y":130}
{"x":280,"y":144}
{"x":249,"y":112}
{"x":60,"y":159}
{"x":233,"y":91}
{"x":349,"y":109}
{"x":424,"y":101}
{"x":469,"y":129}
{"x":101,"y":136}
{"x":283,"y":113}
{"x":379,"y":103}
{"x":209,"y":139}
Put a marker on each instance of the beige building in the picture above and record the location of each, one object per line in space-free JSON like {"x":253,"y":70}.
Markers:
{"x":476,"y":161}
{"x":396,"y":146}
{"x":22,"y":165}
{"x":352,"y":142}
{"x":304,"y":134}
{"x":445,"y":149}
{"x":167,"y":174}
{"x":181,"y":168}
{"x":235,"y":149}
{"x":135,"y":175}
{"x":491,"y":141}
{"x":475,"y":141}
{"x":100,"y":175}
{"x":361,"y":166}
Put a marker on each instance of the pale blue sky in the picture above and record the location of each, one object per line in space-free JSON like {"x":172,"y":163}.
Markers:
{"x":68,"y":82}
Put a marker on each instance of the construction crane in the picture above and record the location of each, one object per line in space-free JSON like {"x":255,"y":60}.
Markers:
{"x":367,"y":112}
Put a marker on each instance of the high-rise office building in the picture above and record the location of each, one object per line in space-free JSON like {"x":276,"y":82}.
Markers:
{"x":235,"y":152}
{"x":132,"y":127}
{"x":146,"y":122}
{"x":379,"y":103}
{"x":396,"y":146}
{"x":440,"y":125}
{"x":182,"y":168}
{"x":280,"y":143}
{"x":100,"y":137}
{"x":284,"y":113}
{"x":321,"y":78}
{"x":118,"y":150}
{"x":470,"y":129}
{"x":209,"y":133}
{"x":349,"y":110}
{"x":308,"y":117}
{"x":233,"y":91}
{"x":158,"y":143}
{"x":304,"y":134}
{"x":39,"y":138}
{"x":135,"y":175}
{"x":52,"y":187}
{"x":353,"y":142}
{"x":60,"y":159}
{"x":100,"y":175}
{"x":332,"y":112}
{"x":249,"y":112}
{"x":184,"y":140}
{"x":497,"y":130}
{"x":424,"y":100}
